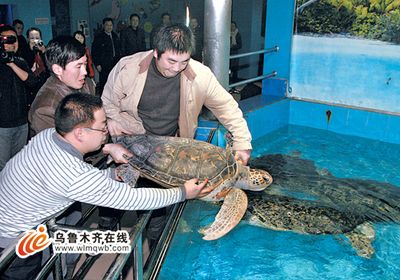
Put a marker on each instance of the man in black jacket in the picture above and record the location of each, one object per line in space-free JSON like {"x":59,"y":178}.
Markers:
{"x":15,"y":76}
{"x":106,"y":52}
{"x":133,"y":38}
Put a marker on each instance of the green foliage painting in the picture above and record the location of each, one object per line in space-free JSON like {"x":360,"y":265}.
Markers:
{"x":371,"y":19}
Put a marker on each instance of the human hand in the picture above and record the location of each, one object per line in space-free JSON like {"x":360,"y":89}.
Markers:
{"x":11,"y":64}
{"x":42,"y":48}
{"x":34,"y":67}
{"x":98,"y":67}
{"x":243,"y":156}
{"x":194,"y":190}
{"x":116,"y":129}
{"x":119,"y":153}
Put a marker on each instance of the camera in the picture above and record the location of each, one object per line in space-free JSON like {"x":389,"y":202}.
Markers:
{"x":38,"y":44}
{"x":5,"y":56}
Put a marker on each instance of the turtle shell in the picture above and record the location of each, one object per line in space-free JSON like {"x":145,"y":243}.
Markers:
{"x":170,"y":161}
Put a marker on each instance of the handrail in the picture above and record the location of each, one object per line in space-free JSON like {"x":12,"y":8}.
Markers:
{"x":258,"y":78}
{"x":153,"y":264}
{"x":270,"y":75}
{"x":8,"y":254}
{"x":157,"y":257}
{"x":273,"y":49}
{"x":136,"y":242}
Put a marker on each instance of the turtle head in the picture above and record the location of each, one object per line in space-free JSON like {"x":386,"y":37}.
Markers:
{"x":253,"y":179}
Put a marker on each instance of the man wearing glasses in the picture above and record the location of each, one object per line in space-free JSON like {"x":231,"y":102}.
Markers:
{"x":66,"y":59}
{"x":15,"y":77}
{"x":49,"y":174}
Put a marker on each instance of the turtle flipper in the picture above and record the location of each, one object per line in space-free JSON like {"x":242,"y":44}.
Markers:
{"x":361,"y":239}
{"x":232,"y":211}
{"x":128,"y":174}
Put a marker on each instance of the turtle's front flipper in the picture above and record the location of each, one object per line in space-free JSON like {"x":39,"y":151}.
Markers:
{"x":232,"y":211}
{"x":361,"y":239}
{"x":128,"y":174}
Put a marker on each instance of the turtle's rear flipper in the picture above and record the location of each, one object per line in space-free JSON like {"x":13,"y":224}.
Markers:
{"x":232,"y":211}
{"x":361,"y":239}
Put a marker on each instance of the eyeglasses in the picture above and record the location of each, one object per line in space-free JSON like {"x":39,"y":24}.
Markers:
{"x":104,"y":130}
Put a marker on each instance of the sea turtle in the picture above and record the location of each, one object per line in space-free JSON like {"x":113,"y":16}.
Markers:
{"x":305,"y":200}
{"x":310,"y":217}
{"x":300,"y":178}
{"x":170,"y":161}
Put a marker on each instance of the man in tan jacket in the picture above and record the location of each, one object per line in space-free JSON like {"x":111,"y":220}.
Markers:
{"x":163,"y":91}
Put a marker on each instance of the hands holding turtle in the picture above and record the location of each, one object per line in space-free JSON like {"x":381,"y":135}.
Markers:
{"x":119,"y":153}
{"x":194,"y":189}
{"x":243,"y":156}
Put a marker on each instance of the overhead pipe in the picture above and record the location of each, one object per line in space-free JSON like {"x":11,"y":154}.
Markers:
{"x":217,"y":24}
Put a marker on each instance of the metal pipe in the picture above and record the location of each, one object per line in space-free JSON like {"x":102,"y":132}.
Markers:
{"x":8,"y":254}
{"x":49,"y":265}
{"x":217,"y":23}
{"x":270,"y":75}
{"x":270,"y":50}
{"x":138,"y":257}
{"x":136,"y":241}
{"x":157,"y":257}
{"x":85,"y":267}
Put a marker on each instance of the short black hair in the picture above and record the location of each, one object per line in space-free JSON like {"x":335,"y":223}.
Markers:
{"x":76,"y":109}
{"x":82,"y":34}
{"x":17,"y":21}
{"x":134,"y":15}
{"x":63,"y":50}
{"x":176,"y":37}
{"x":107,"y":19}
{"x":33,"y":29}
{"x":5,"y":27}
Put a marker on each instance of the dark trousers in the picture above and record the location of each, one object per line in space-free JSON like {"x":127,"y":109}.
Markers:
{"x":103,"y":76}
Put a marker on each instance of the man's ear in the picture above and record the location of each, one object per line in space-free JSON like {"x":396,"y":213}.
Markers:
{"x":57,"y":69}
{"x":155,"y":54}
{"x":78,"y":133}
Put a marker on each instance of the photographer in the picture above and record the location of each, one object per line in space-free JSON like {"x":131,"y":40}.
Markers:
{"x":15,"y":76}
{"x":37,"y":64}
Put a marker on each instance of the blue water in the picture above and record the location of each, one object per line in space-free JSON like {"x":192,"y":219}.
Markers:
{"x":250,"y":252}
{"x":357,"y":72}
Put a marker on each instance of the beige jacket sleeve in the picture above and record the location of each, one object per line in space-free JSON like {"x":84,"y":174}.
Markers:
{"x":122,"y":93}
{"x":208,"y":91}
{"x":226,"y":109}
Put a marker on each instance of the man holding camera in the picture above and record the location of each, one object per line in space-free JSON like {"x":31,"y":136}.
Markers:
{"x":15,"y":77}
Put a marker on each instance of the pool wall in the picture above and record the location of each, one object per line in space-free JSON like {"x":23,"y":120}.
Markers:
{"x":344,"y":120}
{"x":266,"y":114}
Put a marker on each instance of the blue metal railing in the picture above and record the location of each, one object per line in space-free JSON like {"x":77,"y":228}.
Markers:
{"x":258,"y":78}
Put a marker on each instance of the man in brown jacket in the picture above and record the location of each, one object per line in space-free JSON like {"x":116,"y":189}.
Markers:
{"x":66,"y":58}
